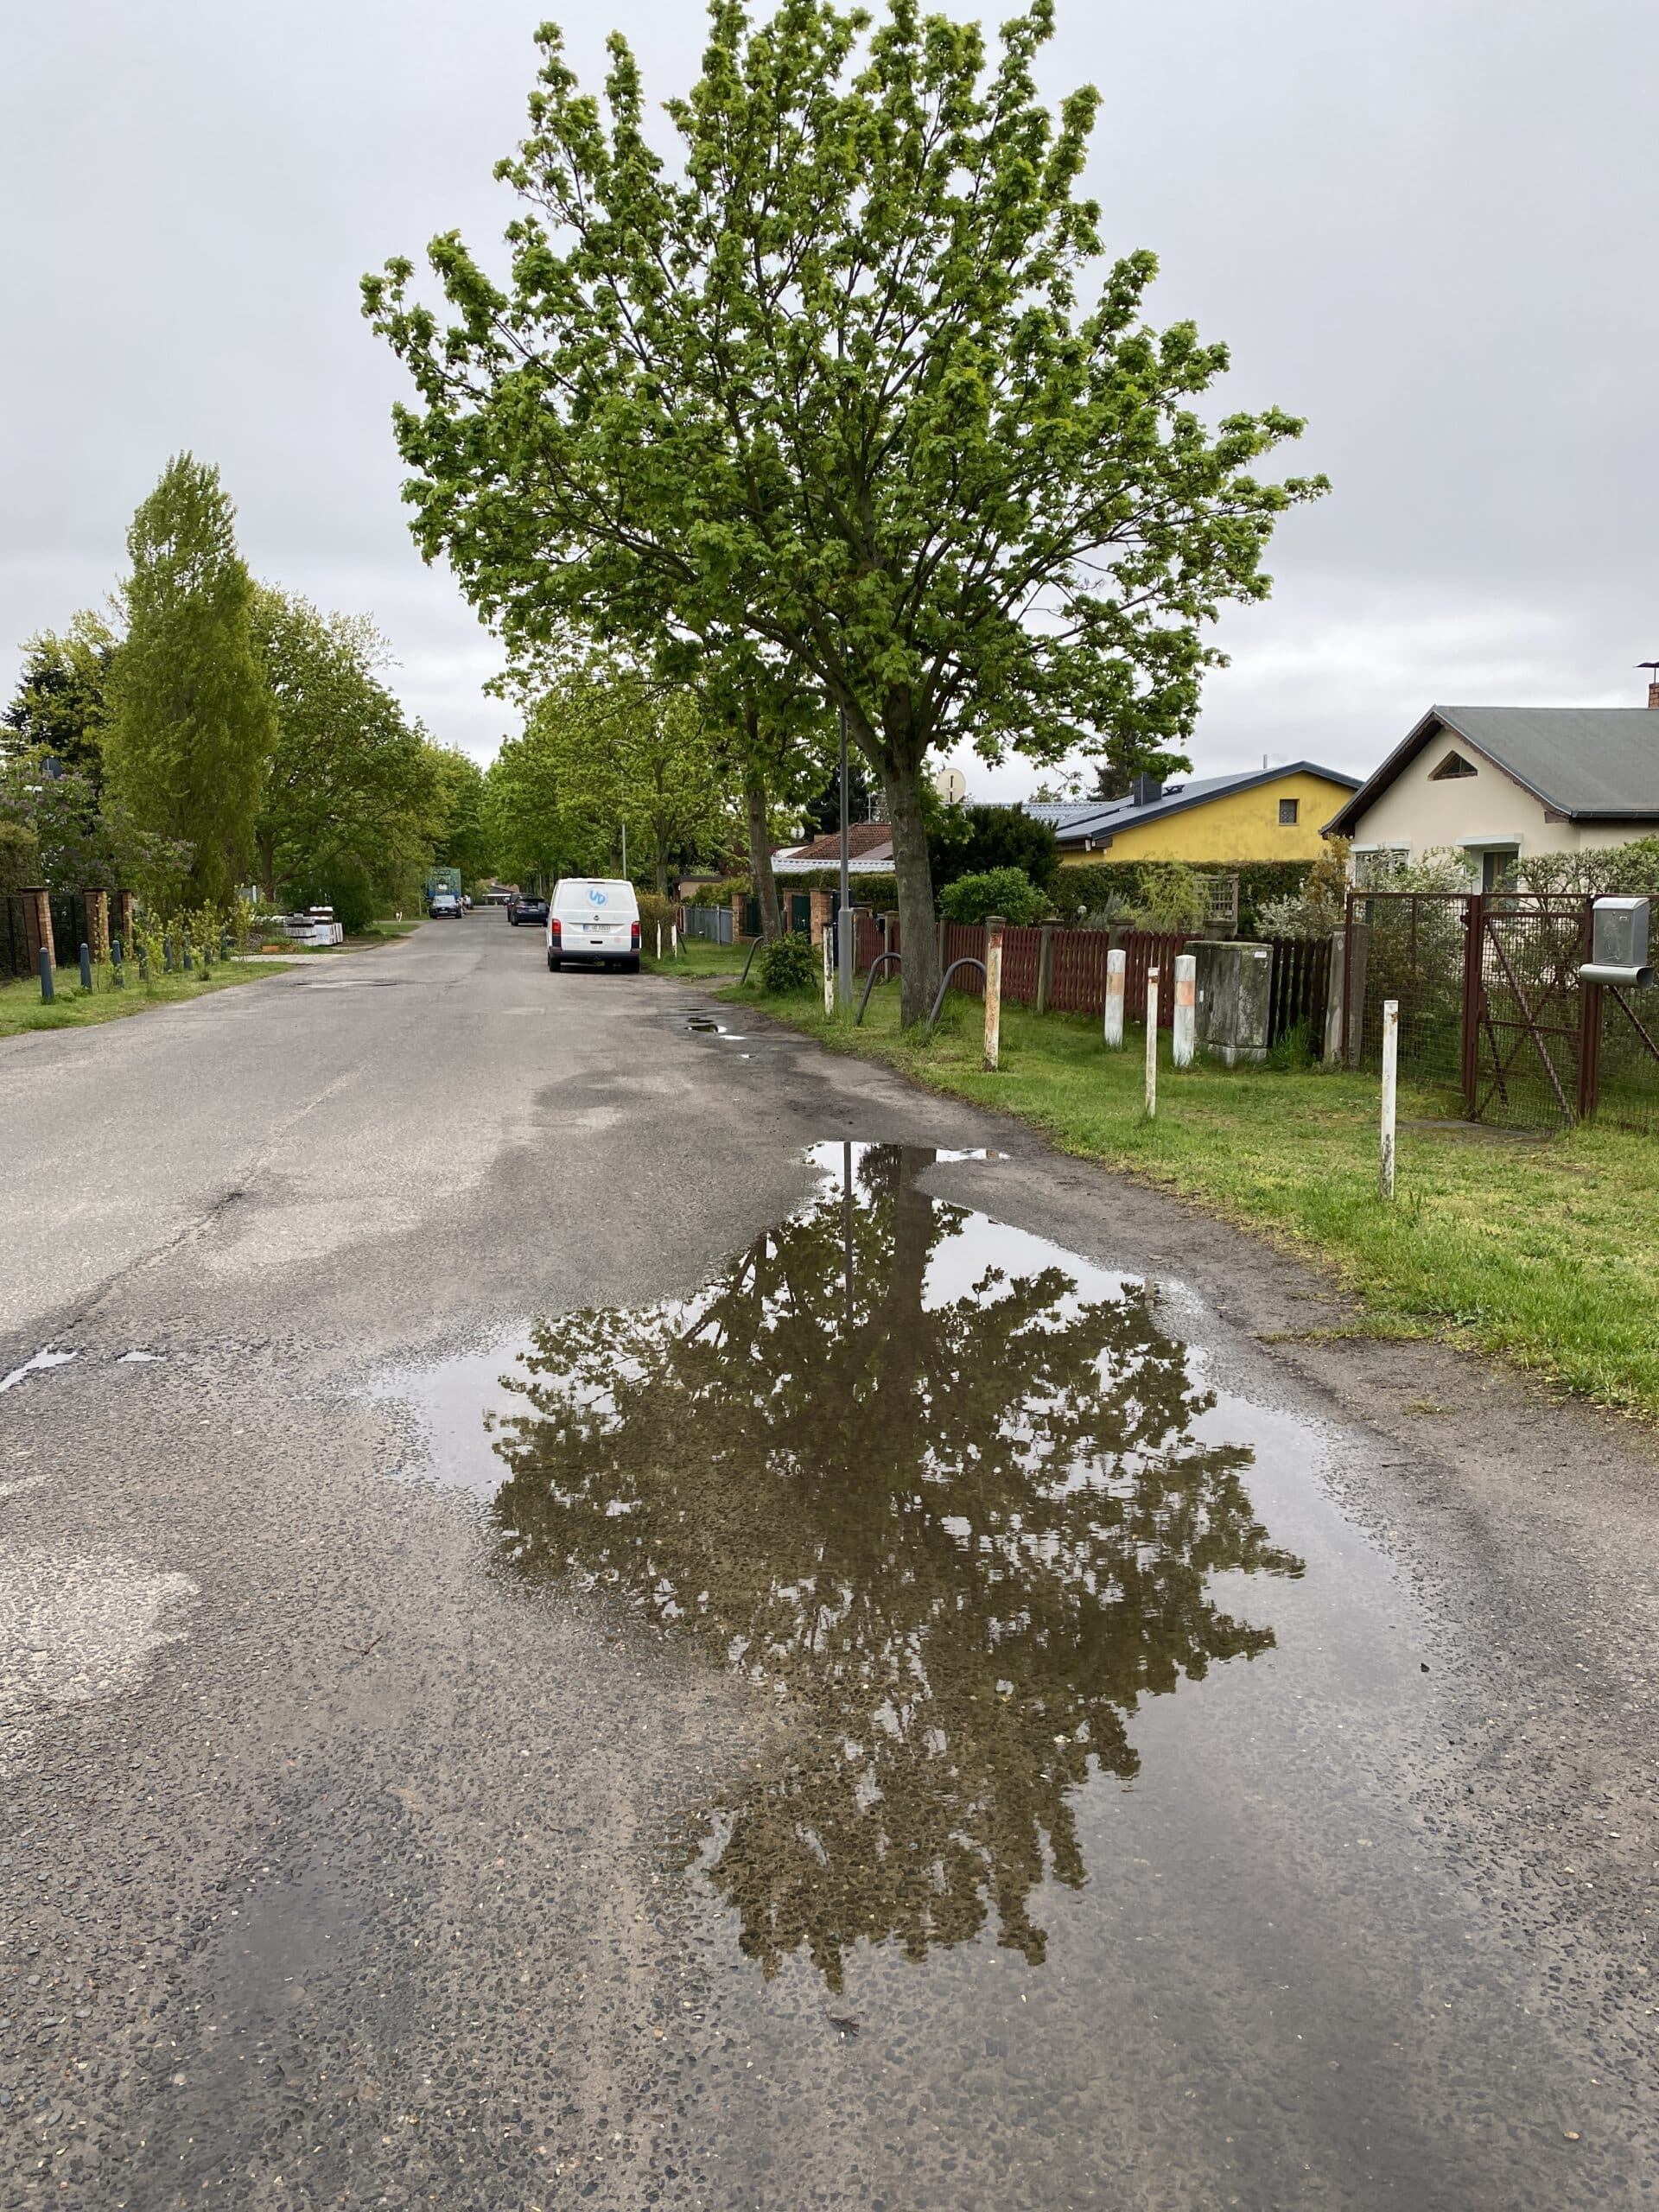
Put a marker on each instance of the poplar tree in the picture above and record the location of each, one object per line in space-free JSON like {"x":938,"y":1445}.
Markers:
{"x":192,"y":723}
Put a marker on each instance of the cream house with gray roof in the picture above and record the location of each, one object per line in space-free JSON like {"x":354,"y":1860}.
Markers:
{"x":1506,"y":783}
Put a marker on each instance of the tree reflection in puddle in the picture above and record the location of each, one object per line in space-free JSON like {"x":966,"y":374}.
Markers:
{"x":934,"y":1482}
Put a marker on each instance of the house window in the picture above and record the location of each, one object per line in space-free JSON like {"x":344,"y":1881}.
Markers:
{"x":1454,"y":764}
{"x":1374,"y":866}
{"x":1288,"y":809}
{"x":1496,"y":871}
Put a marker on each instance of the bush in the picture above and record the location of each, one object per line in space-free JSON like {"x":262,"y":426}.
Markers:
{"x":347,"y":888}
{"x":655,"y":913}
{"x":1170,"y":900}
{"x":786,"y":964}
{"x":986,"y":840}
{"x":719,"y":894}
{"x":1006,"y":891}
{"x":1092,"y":887}
{"x":20,"y":856}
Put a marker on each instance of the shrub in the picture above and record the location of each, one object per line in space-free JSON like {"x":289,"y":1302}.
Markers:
{"x":988,"y":840}
{"x":1170,"y":900}
{"x":1093,"y":886}
{"x":1006,"y":891}
{"x":786,"y":964}
{"x":654,"y":913}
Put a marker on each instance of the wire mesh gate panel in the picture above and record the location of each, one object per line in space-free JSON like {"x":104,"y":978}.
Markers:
{"x":1621,"y":1027}
{"x":1524,"y":1062}
{"x":1413,"y":947}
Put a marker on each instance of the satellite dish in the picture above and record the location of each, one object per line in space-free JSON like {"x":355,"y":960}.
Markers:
{"x":951,"y":785}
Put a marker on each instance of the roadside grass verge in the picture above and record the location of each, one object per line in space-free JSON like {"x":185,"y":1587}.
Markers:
{"x":699,"y":960}
{"x":21,"y":1008}
{"x":1544,"y":1251}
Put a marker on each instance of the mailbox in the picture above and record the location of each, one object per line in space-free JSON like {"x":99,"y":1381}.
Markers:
{"x":1619,"y":943}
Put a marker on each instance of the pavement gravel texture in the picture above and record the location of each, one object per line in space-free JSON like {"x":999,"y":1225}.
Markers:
{"x":338,"y":1867}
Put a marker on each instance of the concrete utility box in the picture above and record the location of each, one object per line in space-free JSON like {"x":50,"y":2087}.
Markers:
{"x":1618,"y":944}
{"x":1235,"y":1000}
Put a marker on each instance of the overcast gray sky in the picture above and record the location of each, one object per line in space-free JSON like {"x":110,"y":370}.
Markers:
{"x":1427,"y":225}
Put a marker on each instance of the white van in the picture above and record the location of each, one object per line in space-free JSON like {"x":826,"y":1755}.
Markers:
{"x":593,"y":917}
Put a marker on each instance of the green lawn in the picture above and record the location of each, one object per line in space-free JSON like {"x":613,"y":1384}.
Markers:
{"x":1546,"y":1251}
{"x":21,"y":1007}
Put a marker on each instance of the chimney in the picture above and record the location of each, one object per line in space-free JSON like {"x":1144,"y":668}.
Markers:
{"x":1652,"y":667}
{"x":1145,"y":789}
{"x":1653,"y":694}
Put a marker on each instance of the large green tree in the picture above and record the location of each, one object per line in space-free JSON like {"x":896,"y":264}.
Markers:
{"x":192,"y":723}
{"x":841,"y":373}
{"x":350,"y":788}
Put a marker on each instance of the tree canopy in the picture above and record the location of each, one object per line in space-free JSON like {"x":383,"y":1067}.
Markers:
{"x":61,"y":703}
{"x":350,"y":788}
{"x":840,"y":376}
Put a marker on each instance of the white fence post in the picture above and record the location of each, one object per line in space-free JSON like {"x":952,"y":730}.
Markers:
{"x":1117,"y":965}
{"x":674,"y":939}
{"x":659,"y":940}
{"x":1390,"y":1067}
{"x":992,"y":991}
{"x":1151,"y":1044}
{"x":1187,"y":1008}
{"x":828,"y":969}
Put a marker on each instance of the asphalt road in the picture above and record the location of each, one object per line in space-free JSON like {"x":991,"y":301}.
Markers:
{"x":878,"y":1710}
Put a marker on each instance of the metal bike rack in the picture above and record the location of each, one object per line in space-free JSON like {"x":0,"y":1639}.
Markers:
{"x":749,"y":962}
{"x":876,"y":966}
{"x":944,"y":985}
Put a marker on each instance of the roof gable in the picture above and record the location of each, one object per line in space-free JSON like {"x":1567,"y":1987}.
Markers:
{"x":1588,"y":763}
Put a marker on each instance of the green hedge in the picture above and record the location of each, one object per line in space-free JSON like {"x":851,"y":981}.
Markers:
{"x":1091,"y":886}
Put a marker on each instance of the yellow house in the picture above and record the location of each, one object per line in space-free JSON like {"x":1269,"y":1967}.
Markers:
{"x":1264,"y":814}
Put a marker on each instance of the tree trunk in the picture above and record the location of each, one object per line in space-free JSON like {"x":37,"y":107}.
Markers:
{"x":919,"y":965}
{"x":759,"y":830}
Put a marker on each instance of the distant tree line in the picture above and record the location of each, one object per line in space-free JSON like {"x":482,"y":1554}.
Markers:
{"x":212,"y":734}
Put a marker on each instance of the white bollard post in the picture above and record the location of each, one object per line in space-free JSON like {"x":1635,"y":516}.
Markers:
{"x":674,"y":940}
{"x":1151,"y":1044}
{"x":992,"y":991}
{"x":659,"y":940}
{"x":828,"y":969}
{"x":1117,"y":965}
{"x":1186,"y":1009}
{"x":1390,"y":1068}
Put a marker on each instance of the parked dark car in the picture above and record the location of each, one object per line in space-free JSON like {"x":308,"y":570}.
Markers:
{"x":445,"y":906}
{"x":528,"y":909}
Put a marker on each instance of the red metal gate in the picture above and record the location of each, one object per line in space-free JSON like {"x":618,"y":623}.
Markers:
{"x":1523,"y":1057}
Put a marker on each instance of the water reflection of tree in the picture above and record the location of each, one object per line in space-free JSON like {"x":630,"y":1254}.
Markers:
{"x":964,"y":1534}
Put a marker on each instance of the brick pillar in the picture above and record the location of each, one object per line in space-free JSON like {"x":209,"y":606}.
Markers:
{"x":740,"y":902}
{"x":819,"y":903}
{"x":124,"y":921}
{"x":37,"y":928}
{"x":97,"y":924}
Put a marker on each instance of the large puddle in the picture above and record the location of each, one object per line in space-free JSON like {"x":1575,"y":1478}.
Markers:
{"x":952,"y":1495}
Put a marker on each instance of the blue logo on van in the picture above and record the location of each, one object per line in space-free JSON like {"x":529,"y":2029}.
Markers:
{"x":596,"y":897}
